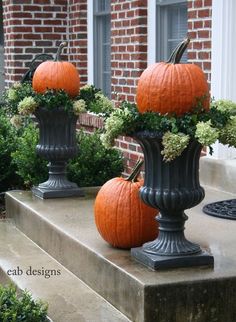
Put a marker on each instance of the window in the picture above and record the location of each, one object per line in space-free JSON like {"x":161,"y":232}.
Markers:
{"x":102,"y":46}
{"x":171,"y":27}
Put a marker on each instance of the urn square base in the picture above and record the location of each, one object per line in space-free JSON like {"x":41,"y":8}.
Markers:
{"x":44,"y":193}
{"x":156,"y":262}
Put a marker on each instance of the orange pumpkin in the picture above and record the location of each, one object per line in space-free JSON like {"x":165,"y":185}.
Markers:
{"x":171,"y":87}
{"x":57,"y":75}
{"x":122,"y":219}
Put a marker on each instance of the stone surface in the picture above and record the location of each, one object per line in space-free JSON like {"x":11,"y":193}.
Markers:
{"x":218,"y":174}
{"x":65,"y":228}
{"x":69,"y":299}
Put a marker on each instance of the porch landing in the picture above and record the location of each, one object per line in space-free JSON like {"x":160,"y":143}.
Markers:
{"x":65,"y":229}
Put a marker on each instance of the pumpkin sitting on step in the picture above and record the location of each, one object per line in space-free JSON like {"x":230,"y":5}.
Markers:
{"x":172,"y":88}
{"x":121,"y":217}
{"x":57,"y":75}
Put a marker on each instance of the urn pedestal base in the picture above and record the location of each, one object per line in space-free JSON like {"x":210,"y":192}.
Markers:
{"x":155,"y":262}
{"x":45,"y":193}
{"x":57,"y":185}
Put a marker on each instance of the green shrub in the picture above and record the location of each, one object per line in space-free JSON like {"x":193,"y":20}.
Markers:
{"x":88,"y":94}
{"x":22,"y":307}
{"x":30,"y":167}
{"x":94,"y":164}
{"x":8,"y":144}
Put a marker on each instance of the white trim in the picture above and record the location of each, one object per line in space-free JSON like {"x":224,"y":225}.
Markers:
{"x":223,"y":71}
{"x":90,"y":43}
{"x":223,"y":49}
{"x":151,"y":41}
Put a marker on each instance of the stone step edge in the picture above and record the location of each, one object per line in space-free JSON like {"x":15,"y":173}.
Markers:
{"x":116,"y":286}
{"x":37,"y":285}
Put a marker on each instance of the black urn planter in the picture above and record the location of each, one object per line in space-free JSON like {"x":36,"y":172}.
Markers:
{"x":170,"y":187}
{"x":57,"y":144}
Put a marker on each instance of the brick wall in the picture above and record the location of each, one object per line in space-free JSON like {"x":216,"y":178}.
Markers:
{"x":128,"y":60}
{"x":1,"y":52}
{"x":128,"y":46}
{"x":37,"y":26}
{"x":31,"y":27}
{"x":129,"y":54}
{"x":199,"y":27}
{"x":77,"y":36}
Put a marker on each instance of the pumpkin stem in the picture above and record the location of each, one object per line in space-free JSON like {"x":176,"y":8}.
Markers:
{"x":59,"y":50}
{"x":135,"y":173}
{"x":177,"y":53}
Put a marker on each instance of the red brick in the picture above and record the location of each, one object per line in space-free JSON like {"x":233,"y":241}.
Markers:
{"x":207,"y":3}
{"x":203,"y":55}
{"x":114,"y":16}
{"x":43,"y":29}
{"x":32,"y":22}
{"x":203,"y":34}
{"x":207,"y":44}
{"x":21,"y":14}
{"x":207,"y":65}
{"x":27,"y":8}
{"x":32,"y":36}
{"x":22,"y":43}
{"x":207,"y":24}
{"x":51,"y":36}
{"x":190,"y":25}
{"x":190,"y":4}
{"x":52,"y":22}
{"x":43,"y":15}
{"x":205,"y":13}
{"x":22,"y":29}
{"x":126,"y":5}
{"x":116,"y":7}
{"x":198,"y":24}
{"x":198,"y":3}
{"x":137,"y":3}
{"x":197,"y":45}
{"x":192,"y":55}
{"x":192,"y":14}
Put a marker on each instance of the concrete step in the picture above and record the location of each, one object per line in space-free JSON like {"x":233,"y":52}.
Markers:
{"x":21,"y":261}
{"x":218,"y":174}
{"x":65,"y":229}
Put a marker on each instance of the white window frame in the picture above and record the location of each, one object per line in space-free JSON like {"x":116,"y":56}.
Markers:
{"x":91,"y":42}
{"x":152,"y":26}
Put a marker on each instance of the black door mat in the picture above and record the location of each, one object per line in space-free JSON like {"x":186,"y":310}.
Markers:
{"x":223,"y":209}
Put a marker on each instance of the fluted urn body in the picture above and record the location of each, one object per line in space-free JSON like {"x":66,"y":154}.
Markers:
{"x":170,"y":187}
{"x":57,"y":144}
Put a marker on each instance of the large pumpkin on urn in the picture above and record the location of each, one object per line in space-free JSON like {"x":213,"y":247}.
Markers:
{"x":57,"y":74}
{"x":172,"y":87}
{"x":122,"y":219}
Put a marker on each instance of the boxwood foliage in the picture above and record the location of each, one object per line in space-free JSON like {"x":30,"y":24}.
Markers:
{"x":93,"y":165}
{"x":29,"y":166}
{"x":8,"y":144}
{"x":20,"y":307}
